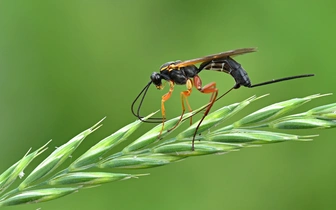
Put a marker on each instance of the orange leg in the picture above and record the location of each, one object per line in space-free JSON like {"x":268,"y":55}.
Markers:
{"x":165,"y":97}
{"x":184,"y":96}
{"x":209,"y":88}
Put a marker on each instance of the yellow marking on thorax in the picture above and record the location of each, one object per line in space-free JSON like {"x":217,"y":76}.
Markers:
{"x":171,"y":67}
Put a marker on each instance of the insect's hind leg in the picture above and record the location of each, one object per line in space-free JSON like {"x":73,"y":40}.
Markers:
{"x":209,"y":88}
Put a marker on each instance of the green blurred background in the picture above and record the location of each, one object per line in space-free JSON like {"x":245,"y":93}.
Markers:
{"x":66,"y":64}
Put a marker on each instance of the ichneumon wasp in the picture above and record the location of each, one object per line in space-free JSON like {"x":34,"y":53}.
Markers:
{"x":186,"y":73}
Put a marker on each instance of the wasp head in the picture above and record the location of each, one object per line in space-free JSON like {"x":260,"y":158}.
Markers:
{"x":156,"y":79}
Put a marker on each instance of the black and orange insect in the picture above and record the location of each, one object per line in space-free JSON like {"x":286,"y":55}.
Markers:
{"x":186,"y":73}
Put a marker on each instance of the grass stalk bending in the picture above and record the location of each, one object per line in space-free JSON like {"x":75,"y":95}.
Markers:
{"x":46,"y":182}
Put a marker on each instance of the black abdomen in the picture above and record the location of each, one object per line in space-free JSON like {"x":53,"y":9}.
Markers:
{"x":241,"y":77}
{"x":229,"y":66}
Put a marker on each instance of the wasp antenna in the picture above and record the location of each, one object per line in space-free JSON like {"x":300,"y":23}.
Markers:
{"x":282,"y":79}
{"x":137,"y":112}
{"x":136,"y":99}
{"x":141,"y":101}
{"x":151,"y":119}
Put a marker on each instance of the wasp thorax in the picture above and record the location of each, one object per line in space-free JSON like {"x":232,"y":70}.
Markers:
{"x":169,"y":65}
{"x":165,"y":65}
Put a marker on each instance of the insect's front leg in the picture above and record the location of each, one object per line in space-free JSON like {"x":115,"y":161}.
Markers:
{"x":165,"y":97}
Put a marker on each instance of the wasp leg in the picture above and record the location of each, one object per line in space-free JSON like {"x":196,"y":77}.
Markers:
{"x":209,"y":88}
{"x":165,"y":97}
{"x":184,"y":96}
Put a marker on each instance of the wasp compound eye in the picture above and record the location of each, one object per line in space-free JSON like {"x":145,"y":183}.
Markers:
{"x":156,"y":78}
